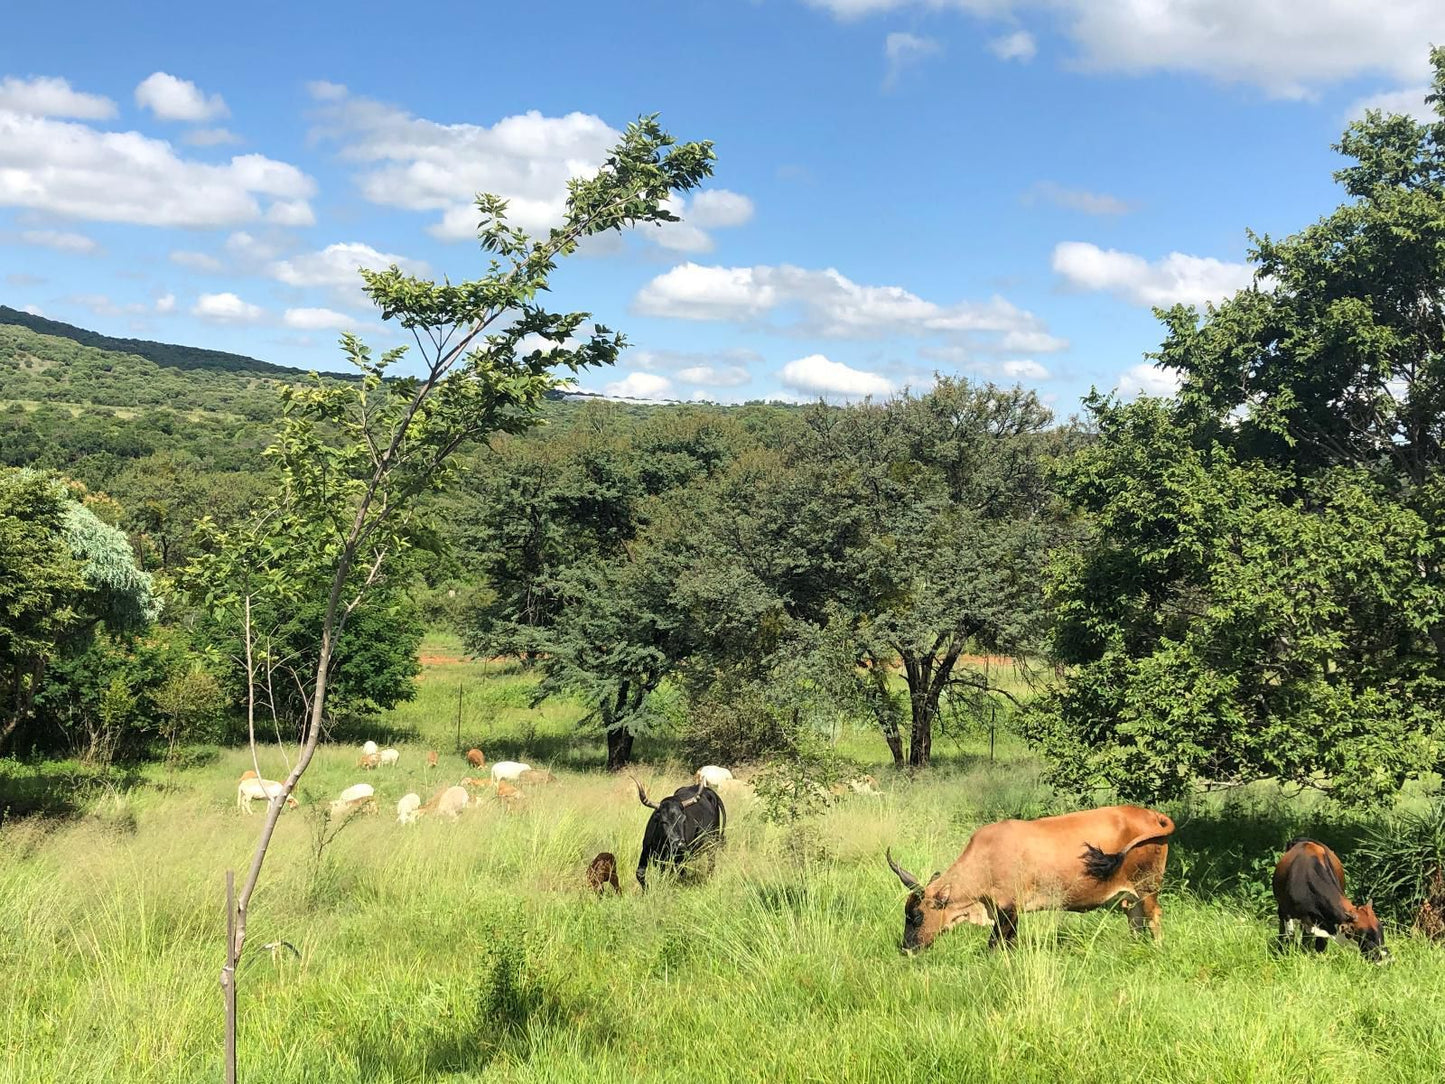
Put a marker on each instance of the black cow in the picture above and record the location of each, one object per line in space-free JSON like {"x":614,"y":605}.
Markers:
{"x":1309,"y":889}
{"x":691,"y":820}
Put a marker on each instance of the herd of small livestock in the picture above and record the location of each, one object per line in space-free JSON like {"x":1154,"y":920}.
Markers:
{"x":1108,"y":857}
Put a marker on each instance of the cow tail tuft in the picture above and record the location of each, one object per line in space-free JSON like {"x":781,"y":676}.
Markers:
{"x":1101,"y":865}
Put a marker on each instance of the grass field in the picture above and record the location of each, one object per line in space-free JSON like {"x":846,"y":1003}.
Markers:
{"x":468,"y":951}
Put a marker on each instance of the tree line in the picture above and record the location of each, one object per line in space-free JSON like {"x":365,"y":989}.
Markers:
{"x":1237,"y":582}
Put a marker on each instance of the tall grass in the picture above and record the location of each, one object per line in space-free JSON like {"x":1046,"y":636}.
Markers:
{"x":471,"y":951}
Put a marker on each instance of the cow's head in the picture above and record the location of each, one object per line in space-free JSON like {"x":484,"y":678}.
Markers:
{"x":1365,"y":928}
{"x":923,"y":915}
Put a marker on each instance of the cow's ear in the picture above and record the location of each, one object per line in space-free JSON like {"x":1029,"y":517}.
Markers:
{"x":941,"y":899}
{"x":936,"y":875}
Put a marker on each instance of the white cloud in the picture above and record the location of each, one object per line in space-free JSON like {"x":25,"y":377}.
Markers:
{"x":1076,"y":199}
{"x":335,"y":267}
{"x":74,"y":170}
{"x":715,"y":376}
{"x":226,"y":308}
{"x":196,"y":261}
{"x":319,"y":320}
{"x":904,"y":50}
{"x":816,"y":375}
{"x":421,"y":165}
{"x":827,"y":303}
{"x":59,"y":240}
{"x":210,"y":137}
{"x":1018,"y":46}
{"x":48,"y":96}
{"x":1176,"y":279}
{"x":166,"y":303}
{"x":693,"y":292}
{"x":1024,"y":370}
{"x":170,"y":98}
{"x":640,"y":386}
{"x":1288,"y":49}
{"x":1147,"y":379}
{"x":324,"y":91}
{"x":1035,"y":342}
{"x":33,"y":310}
{"x":717,"y":208}
{"x":291,"y":213}
{"x":1409,"y":101}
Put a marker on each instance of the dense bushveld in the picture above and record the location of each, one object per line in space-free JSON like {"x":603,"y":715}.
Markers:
{"x":470,"y":951}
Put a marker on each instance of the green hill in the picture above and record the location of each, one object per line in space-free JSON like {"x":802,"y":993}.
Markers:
{"x":164,"y":354}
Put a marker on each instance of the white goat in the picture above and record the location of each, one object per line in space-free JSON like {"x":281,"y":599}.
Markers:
{"x":509,"y":770}
{"x":356,"y":796}
{"x":252,"y":788}
{"x":713,"y":776}
{"x":406,"y":808}
{"x":389,"y":757}
{"x":369,"y":749}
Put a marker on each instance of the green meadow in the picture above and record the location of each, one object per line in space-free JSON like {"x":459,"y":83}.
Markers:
{"x":471,"y":950}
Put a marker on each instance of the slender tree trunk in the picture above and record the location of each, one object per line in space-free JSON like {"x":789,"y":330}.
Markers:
{"x":927,"y":677}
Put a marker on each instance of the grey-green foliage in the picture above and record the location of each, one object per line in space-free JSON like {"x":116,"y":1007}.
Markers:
{"x":122,"y":596}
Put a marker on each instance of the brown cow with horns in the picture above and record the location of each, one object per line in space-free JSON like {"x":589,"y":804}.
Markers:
{"x":1074,"y":862}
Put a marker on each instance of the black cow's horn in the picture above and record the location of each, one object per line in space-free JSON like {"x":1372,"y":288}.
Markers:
{"x":642,"y":794}
{"x":910,"y":882}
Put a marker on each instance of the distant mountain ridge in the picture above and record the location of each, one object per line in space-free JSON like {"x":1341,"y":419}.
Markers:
{"x":165,"y":354}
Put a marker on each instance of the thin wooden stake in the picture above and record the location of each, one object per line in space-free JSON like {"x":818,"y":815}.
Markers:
{"x":228,"y":977}
{"x":459,"y":716}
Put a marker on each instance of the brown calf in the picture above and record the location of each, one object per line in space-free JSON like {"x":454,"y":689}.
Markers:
{"x":369,"y":761}
{"x":431,"y":759}
{"x":603,"y":872}
{"x":1309,"y":888}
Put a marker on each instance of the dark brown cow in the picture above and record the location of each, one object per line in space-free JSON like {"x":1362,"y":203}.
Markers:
{"x":603,"y":872}
{"x":475,"y":758}
{"x":1074,"y":862}
{"x":1309,"y":888}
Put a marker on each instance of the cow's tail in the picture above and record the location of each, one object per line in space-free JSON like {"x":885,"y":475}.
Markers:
{"x":1101,"y":865}
{"x":642,"y":794}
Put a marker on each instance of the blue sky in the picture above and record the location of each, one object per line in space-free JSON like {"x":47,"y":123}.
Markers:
{"x":998,"y":188}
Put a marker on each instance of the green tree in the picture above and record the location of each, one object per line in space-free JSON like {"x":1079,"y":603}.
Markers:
{"x":1263,"y":595}
{"x":354,"y":459}
{"x":63,"y":572}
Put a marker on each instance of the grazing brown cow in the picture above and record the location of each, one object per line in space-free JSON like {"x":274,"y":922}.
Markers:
{"x":1309,"y":888}
{"x":369,"y":761}
{"x":603,"y":872}
{"x":431,"y":759}
{"x":475,"y":758}
{"x":1074,"y":862}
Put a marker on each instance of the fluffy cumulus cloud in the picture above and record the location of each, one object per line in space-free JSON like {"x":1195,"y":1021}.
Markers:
{"x":47,"y":96}
{"x":166,"y":303}
{"x":72,"y":169}
{"x":335,"y":268}
{"x":816,"y":375}
{"x":421,"y":165}
{"x":1024,"y":370}
{"x":903,"y":51}
{"x":226,"y":308}
{"x":1076,"y":199}
{"x":319,"y":320}
{"x":1410,"y":101}
{"x":1147,"y":379}
{"x":1176,"y":279}
{"x":170,"y":98}
{"x":1018,"y":46}
{"x":1288,"y":49}
{"x":829,"y":304}
{"x":640,"y":386}
{"x":60,"y":240}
